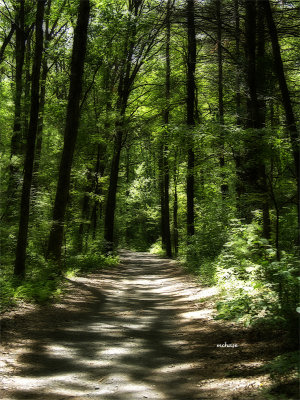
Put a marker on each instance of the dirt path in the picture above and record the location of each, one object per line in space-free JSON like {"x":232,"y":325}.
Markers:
{"x":143,"y":330}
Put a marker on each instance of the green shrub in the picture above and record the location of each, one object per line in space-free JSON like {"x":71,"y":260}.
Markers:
{"x":255,"y":287}
{"x":284,"y":367}
{"x":6,"y":293}
{"x":89,"y":262}
{"x":39,"y":291}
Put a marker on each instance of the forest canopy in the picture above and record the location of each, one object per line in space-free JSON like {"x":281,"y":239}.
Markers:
{"x":169,"y":125}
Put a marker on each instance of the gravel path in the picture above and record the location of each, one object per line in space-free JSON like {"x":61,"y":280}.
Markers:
{"x":143,"y":330}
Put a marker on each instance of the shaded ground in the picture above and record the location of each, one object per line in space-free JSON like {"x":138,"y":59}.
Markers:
{"x":143,"y":330}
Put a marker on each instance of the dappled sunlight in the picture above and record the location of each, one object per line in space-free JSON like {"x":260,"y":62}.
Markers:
{"x":198,"y":314}
{"x":143,"y":332}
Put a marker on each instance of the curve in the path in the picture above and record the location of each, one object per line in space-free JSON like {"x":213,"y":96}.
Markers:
{"x":132,"y":333}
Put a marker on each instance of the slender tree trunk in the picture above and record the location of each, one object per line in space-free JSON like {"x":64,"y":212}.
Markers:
{"x":162,"y":196}
{"x":224,"y":186}
{"x":6,"y":41}
{"x":45,"y":70}
{"x":261,"y":91}
{"x":127,"y":77}
{"x":286,"y":99}
{"x":240,"y":187}
{"x":127,"y":230}
{"x":71,"y":130}
{"x":175,"y":210}
{"x":191,"y":89}
{"x":255,"y":174}
{"x":16,"y":140}
{"x":166,"y":173}
{"x":39,"y":138}
{"x":163,"y":158}
{"x":27,"y":83}
{"x":112,"y":192}
{"x":20,"y":55}
{"x":19,"y":268}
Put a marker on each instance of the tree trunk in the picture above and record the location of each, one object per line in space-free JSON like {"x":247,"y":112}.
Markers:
{"x":45,"y":70}
{"x":6,"y":41}
{"x":19,"y":268}
{"x":112,"y":192}
{"x":191,"y":88}
{"x":166,"y":174}
{"x":254,"y":165}
{"x":286,"y":99}
{"x":224,"y":186}
{"x":71,"y":130}
{"x":20,"y":55}
{"x":175,"y":211}
{"x":16,"y":140}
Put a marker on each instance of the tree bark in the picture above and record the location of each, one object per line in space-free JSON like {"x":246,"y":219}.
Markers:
{"x":166,"y":173}
{"x":190,"y":102}
{"x":254,"y":165}
{"x":286,"y":99}
{"x":20,"y":55}
{"x":224,"y":186}
{"x":19,"y":267}
{"x":16,"y":140}
{"x":112,"y":192}
{"x":175,"y":210}
{"x":7,"y":40}
{"x":71,"y":131}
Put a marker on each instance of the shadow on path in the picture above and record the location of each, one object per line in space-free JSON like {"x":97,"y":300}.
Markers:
{"x":134,"y":332}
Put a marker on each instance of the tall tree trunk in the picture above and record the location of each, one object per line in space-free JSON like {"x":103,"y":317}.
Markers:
{"x":20,"y":55}
{"x":112,"y":191}
{"x":19,"y":268}
{"x":166,"y":173}
{"x":254,"y":166}
{"x":224,"y":186}
{"x":16,"y":140}
{"x":191,"y":89}
{"x":127,"y":77}
{"x":286,"y":99}
{"x":71,"y":131}
{"x":261,"y":91}
{"x":45,"y":70}
{"x":39,"y":138}
{"x":175,"y":210}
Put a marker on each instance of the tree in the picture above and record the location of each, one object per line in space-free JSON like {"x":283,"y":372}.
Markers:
{"x":136,"y":50}
{"x":286,"y":100}
{"x":19,"y":269}
{"x":71,"y":130}
{"x":163,"y":158}
{"x":190,"y":118}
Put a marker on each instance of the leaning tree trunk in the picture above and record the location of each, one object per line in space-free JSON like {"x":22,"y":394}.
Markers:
{"x":286,"y":99}
{"x":19,"y":268}
{"x":7,"y":40}
{"x":191,"y":89}
{"x":71,"y":130}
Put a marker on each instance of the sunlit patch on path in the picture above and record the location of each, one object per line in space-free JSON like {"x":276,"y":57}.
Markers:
{"x":143,"y":330}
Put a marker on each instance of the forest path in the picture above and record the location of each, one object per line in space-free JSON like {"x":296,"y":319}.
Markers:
{"x":143,"y":330}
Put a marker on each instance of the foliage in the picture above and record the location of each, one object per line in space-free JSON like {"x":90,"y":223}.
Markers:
{"x":284,"y":366}
{"x":91,"y":262}
{"x":256,"y":288}
{"x":43,"y":283}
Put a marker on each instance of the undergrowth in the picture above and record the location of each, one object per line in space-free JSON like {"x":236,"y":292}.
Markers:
{"x":42,"y":283}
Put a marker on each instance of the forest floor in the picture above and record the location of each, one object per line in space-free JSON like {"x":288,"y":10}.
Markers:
{"x":142,"y":330}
